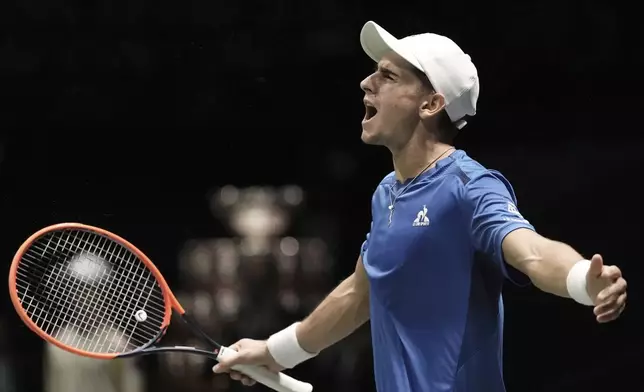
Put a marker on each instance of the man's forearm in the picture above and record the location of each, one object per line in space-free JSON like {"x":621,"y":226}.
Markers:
{"x":546,"y":262}
{"x":549,"y":267}
{"x":344,"y":310}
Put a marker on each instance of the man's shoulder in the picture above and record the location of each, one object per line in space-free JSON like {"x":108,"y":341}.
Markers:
{"x":387,"y":180}
{"x":468,"y":170}
{"x":478,"y":179}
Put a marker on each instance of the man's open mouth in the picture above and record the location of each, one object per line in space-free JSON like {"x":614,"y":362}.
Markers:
{"x":370,"y":111}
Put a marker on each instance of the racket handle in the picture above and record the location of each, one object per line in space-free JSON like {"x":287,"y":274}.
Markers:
{"x":279,"y":382}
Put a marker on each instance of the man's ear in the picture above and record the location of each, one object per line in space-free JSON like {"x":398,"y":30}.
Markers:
{"x":431,"y":106}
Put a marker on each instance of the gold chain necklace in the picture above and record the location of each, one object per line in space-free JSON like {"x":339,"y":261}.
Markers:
{"x":393,"y":199}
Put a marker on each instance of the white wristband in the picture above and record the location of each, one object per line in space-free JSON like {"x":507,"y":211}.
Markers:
{"x":576,"y":283}
{"x":285,"y":348}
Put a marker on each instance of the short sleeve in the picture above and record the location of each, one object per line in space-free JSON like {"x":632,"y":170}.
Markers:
{"x":365,"y":244}
{"x":492,"y":214}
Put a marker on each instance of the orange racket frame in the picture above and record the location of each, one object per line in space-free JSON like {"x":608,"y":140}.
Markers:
{"x":170,"y":300}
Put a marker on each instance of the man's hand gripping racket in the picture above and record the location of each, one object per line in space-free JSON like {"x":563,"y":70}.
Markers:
{"x":92,"y":293}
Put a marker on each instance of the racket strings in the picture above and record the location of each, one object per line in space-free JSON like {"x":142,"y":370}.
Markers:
{"x":76,"y":286}
{"x":102,"y":284}
{"x":85,"y":289}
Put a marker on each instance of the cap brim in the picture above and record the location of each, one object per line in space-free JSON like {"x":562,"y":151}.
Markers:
{"x":377,"y":42}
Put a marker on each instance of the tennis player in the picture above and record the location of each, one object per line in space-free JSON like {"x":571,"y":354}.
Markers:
{"x":445,"y":233}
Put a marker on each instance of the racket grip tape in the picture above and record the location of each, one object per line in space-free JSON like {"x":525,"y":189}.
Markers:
{"x":279,"y":382}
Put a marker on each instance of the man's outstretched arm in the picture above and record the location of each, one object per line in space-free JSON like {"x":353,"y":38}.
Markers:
{"x":500,"y":231}
{"x":344,"y":310}
{"x":557,"y":268}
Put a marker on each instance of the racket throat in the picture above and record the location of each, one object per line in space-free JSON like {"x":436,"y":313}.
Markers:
{"x":192,"y":324}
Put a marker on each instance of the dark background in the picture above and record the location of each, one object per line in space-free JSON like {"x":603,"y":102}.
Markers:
{"x":126,"y":115}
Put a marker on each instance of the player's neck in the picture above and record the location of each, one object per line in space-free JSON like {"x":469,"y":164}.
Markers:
{"x":413,"y":158}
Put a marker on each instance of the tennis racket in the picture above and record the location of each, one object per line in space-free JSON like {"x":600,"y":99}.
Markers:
{"x":92,"y":293}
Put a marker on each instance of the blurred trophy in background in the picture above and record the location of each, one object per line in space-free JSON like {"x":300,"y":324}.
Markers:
{"x":250,"y":284}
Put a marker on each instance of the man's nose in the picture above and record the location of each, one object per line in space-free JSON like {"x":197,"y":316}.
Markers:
{"x":367,"y":85}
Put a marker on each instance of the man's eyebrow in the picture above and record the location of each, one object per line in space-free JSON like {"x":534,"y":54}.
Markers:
{"x":385,"y":69}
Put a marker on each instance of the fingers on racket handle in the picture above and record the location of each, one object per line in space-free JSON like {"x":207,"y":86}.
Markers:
{"x":279,"y":382}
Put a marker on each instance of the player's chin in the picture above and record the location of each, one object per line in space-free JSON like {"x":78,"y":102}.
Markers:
{"x":370,"y":135}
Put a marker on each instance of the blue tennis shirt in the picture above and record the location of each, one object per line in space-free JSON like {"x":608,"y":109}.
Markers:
{"x":436,"y":275}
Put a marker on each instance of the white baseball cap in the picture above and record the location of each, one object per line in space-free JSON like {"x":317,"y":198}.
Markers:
{"x":447,"y":67}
